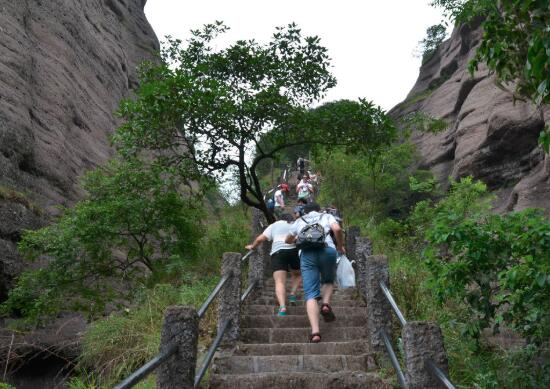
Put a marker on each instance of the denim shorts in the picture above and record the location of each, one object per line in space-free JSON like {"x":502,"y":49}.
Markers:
{"x":318,"y":267}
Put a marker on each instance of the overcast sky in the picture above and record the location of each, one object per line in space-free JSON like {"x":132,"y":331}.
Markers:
{"x":371,"y":43}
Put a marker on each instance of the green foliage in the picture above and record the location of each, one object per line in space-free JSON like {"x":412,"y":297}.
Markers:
{"x":217,"y":107}
{"x":434,"y":36}
{"x":421,"y":122}
{"x":3,"y":385}
{"x":380,"y":177}
{"x":214,"y":104}
{"x":498,"y":264}
{"x":115,"y":346}
{"x":134,"y":222}
{"x":418,"y":291}
{"x":515,"y":44}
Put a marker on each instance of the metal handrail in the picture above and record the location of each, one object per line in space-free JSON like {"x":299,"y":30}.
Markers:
{"x":438,"y":374}
{"x":428,"y":364}
{"x":162,"y":356}
{"x":245,"y":257}
{"x":248,"y":290}
{"x":393,"y":359}
{"x":146,"y":369}
{"x":210,"y":354}
{"x":393,"y":304}
{"x":206,"y":304}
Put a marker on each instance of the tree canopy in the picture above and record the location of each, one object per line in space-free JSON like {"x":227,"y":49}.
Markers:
{"x":229,"y":109}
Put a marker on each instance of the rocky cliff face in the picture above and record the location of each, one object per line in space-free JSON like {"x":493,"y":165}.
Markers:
{"x":489,"y":136}
{"x":64,"y":66}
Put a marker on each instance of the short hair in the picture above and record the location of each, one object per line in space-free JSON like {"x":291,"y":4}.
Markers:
{"x":309,"y":207}
{"x":287,"y":217}
{"x":302,"y":201}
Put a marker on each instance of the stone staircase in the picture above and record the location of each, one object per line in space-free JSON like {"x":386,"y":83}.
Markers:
{"x":274,"y":352}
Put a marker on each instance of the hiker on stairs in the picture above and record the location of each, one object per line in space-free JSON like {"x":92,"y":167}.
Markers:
{"x":279,"y":199}
{"x":284,"y":258}
{"x":318,"y":254}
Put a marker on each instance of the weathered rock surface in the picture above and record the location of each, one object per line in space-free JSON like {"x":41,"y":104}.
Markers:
{"x":64,"y":66}
{"x":489,"y":136}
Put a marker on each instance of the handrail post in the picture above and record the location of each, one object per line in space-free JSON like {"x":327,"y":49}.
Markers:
{"x":422,"y":341}
{"x":257,"y":264}
{"x":181,"y":326}
{"x":361,"y":249}
{"x":378,"y":308}
{"x":229,"y":303}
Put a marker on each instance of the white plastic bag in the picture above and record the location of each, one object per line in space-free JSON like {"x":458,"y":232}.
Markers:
{"x":345,"y":273}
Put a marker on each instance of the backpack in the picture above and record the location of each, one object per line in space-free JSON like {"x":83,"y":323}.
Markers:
{"x":270,"y":204}
{"x":312,"y":236}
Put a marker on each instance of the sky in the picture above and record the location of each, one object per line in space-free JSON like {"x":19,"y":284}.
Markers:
{"x":371,"y":42}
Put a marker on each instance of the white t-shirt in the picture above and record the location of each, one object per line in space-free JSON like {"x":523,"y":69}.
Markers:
{"x":323,"y":219}
{"x":278,"y":194}
{"x":304,"y":188}
{"x":277,"y":233}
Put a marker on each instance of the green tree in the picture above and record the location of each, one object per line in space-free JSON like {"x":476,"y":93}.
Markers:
{"x":134,"y":223}
{"x":515,"y":44}
{"x":221,"y":108}
{"x":434,"y":36}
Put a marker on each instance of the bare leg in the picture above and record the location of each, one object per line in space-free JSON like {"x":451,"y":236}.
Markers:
{"x":313,"y":314}
{"x":326,"y":292}
{"x":296,"y":277}
{"x":280,"y":286}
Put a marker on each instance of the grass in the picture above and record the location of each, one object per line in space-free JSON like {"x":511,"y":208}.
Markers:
{"x":117,"y":345}
{"x":14,"y":196}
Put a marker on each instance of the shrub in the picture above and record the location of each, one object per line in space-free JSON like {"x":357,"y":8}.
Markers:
{"x":498,"y":264}
{"x":134,"y":222}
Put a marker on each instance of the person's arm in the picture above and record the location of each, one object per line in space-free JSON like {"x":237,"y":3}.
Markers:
{"x":291,"y":237}
{"x":339,"y":235}
{"x":258,"y":241}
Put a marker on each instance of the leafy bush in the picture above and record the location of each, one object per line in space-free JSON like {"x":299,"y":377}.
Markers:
{"x":382,"y":179}
{"x":134,"y":223}
{"x":498,"y":264}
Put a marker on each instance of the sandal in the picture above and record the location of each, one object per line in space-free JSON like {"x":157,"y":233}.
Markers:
{"x":326,"y":312}
{"x":282,"y":311}
{"x":315,"y":335}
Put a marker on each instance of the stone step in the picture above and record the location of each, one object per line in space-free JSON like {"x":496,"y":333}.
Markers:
{"x":271,"y":309}
{"x":298,"y":321}
{"x":337,"y":301}
{"x":293,"y":363}
{"x":327,"y":348}
{"x":300,"y":380}
{"x":301,"y":335}
{"x":341,"y":292}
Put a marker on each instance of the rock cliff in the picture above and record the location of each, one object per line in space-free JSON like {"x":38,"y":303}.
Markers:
{"x":64,"y":67}
{"x":489,"y":136}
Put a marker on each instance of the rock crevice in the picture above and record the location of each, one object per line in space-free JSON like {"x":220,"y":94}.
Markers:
{"x":490,"y":136}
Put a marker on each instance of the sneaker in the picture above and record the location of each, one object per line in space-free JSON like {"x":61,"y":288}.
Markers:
{"x":292,"y":299}
{"x":282,"y":311}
